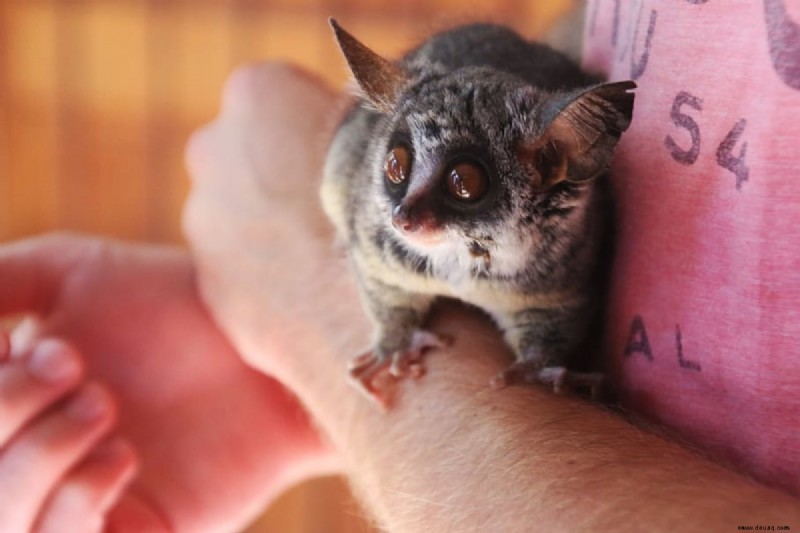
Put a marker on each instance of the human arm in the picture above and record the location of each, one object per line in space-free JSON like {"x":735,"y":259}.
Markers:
{"x":215,"y":441}
{"x":452,"y":455}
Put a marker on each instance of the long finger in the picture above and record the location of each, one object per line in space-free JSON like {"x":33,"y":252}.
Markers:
{"x":90,"y":489}
{"x":31,"y":384}
{"x":31,"y":271}
{"x":36,"y":459}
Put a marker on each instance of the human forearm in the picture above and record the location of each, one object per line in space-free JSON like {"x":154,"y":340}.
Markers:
{"x":454,"y":455}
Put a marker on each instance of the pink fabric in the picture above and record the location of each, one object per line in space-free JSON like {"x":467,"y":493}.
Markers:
{"x":705,"y":313}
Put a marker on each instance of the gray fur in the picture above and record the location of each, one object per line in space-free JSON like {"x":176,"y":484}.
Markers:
{"x":528,"y":255}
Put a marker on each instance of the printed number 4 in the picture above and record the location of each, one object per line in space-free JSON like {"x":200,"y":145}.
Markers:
{"x":726,"y":159}
{"x":725,"y":156}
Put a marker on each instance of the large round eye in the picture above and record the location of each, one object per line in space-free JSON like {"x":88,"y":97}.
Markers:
{"x":467,"y":181}
{"x":398,"y":165}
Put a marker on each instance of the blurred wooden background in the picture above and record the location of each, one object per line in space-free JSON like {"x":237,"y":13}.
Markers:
{"x":98,"y":97}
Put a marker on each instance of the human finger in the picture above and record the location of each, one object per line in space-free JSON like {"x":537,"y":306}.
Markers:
{"x":30,"y":384}
{"x":86,"y":493}
{"x":32,"y":270}
{"x":34,"y":461}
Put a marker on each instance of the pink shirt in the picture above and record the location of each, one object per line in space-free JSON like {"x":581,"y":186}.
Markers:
{"x":704,"y":331}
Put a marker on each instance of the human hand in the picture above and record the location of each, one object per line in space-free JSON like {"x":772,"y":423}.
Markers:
{"x":254,"y":215}
{"x":215,"y":440}
{"x":51,"y":421}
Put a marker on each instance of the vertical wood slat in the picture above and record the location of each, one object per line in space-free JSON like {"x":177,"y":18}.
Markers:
{"x":30,"y":179}
{"x":5,"y":98}
{"x":72,"y":129}
{"x":102,"y":109}
{"x":69,"y":69}
{"x":166,"y":129}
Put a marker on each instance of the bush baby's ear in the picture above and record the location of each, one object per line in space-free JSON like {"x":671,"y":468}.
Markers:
{"x":581,"y":130}
{"x":379,"y":79}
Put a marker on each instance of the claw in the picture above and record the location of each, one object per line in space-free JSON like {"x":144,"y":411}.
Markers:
{"x":358,"y":363}
{"x":519,"y":372}
{"x":595,"y":381}
{"x":421,"y":342}
{"x":554,"y":375}
{"x":362,"y":371}
{"x":559,"y":377}
{"x":366,"y":371}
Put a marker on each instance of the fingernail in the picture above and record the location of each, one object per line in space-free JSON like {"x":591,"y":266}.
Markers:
{"x":52,"y":362}
{"x":89,"y":405}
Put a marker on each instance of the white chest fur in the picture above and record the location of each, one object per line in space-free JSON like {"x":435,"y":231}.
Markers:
{"x":452,"y":274}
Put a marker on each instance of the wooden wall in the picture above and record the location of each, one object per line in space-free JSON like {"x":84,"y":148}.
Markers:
{"x":97,"y":98}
